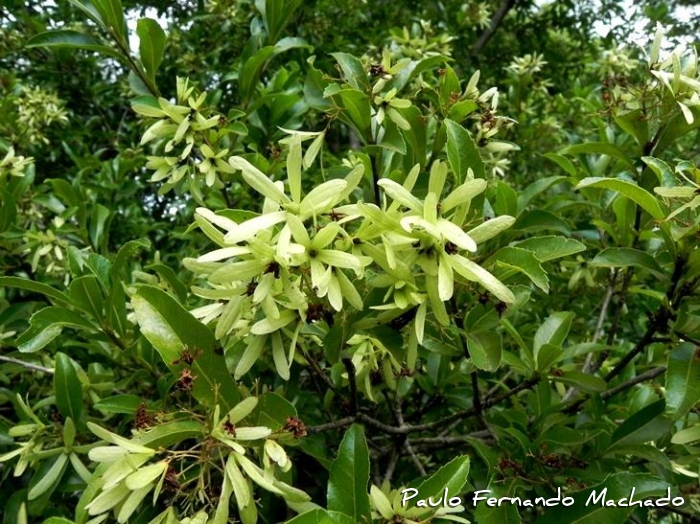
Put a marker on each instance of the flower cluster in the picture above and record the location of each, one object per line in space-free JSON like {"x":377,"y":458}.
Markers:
{"x":192,"y":137}
{"x":128,"y":473}
{"x":38,"y":109}
{"x":305,"y":257}
{"x":14,"y":165}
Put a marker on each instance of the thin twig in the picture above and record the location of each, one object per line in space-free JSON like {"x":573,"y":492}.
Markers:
{"x":391,"y":466}
{"x":28,"y":365}
{"x":647,"y":375}
{"x":340,"y":423}
{"x":414,"y":458}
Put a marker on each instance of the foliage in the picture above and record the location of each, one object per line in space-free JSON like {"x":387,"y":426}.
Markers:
{"x":266,"y":265}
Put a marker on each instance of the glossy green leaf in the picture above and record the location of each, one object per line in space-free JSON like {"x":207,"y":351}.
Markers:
{"x":580,"y":380}
{"x":86,"y":294}
{"x":151,"y":45}
{"x":272,"y":411}
{"x":535,"y":189}
{"x":47,"y":324}
{"x":357,"y":109}
{"x":353,"y":71}
{"x":485,"y":349}
{"x":525,"y":262}
{"x":462,"y":152}
{"x":47,"y":476}
{"x":639,"y":195}
{"x":321,"y":516}
{"x":451,"y":477}
{"x":553,"y":330}
{"x":171,"y":328}
{"x":8,"y":210}
{"x":563,"y":162}
{"x":349,"y":477}
{"x":36,"y":287}
{"x":682,"y":379}
{"x":69,"y":39}
{"x":125,"y":404}
{"x":551,"y":247}
{"x":68,"y":388}
{"x":644,"y":426}
{"x":112,"y":14}
{"x":625,"y":257}
{"x":170,"y":433}
{"x":412,"y":70}
{"x":687,"y":435}
{"x":600,"y":148}
{"x":276,"y":14}
{"x":497,"y":514}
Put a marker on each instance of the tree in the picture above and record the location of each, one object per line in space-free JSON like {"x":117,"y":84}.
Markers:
{"x":278,"y":239}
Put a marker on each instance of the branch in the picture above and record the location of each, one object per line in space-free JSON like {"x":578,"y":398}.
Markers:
{"x":340,"y":423}
{"x":647,"y":375}
{"x":498,"y":17}
{"x":28,"y":365}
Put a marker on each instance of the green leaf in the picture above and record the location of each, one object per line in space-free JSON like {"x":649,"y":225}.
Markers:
{"x":57,"y":520}
{"x":687,"y":435}
{"x":357,"y":109}
{"x":171,"y":328}
{"x":600,"y":148}
{"x":321,"y":516}
{"x":276,"y":15}
{"x":634,"y":123}
{"x":69,"y":39}
{"x":46,"y":324}
{"x":536,"y":188}
{"x":353,"y":71}
{"x":462,"y":152}
{"x":525,"y":262}
{"x":625,"y":257}
{"x":47,"y":476}
{"x":68,"y":388}
{"x":112,"y":15}
{"x":639,"y":195}
{"x":552,"y":331}
{"x":170,"y":433}
{"x":682,"y":380}
{"x":86,"y":294}
{"x":661,"y":170}
{"x":500,"y":514}
{"x":151,"y":45}
{"x":414,"y":68}
{"x":272,"y":411}
{"x":562,"y":162}
{"x":583,"y":381}
{"x":36,"y":287}
{"x":168,"y":274}
{"x":349,"y":476}
{"x":539,"y":220}
{"x":646,"y":425}
{"x":485,"y":349}
{"x":125,"y":404}
{"x":8,"y":210}
{"x":250,"y":71}
{"x":551,"y":247}
{"x":451,"y":477}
